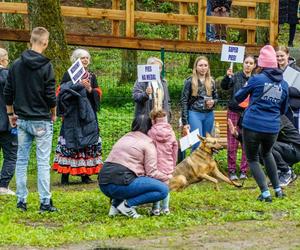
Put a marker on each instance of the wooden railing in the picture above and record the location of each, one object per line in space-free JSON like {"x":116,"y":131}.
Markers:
{"x":130,"y":16}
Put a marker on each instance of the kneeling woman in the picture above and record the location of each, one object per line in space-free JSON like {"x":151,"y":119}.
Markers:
{"x":130,"y":176}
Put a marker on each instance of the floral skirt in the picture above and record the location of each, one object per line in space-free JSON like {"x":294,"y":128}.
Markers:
{"x":86,"y":161}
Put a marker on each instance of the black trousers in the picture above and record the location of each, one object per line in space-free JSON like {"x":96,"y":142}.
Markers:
{"x":285,"y":155}
{"x":9,"y":146}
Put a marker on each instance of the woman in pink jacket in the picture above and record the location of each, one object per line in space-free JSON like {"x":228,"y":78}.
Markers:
{"x":129,"y":175}
{"x":164,"y":138}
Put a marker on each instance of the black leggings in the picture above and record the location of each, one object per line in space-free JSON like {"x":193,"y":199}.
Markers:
{"x":263,"y":142}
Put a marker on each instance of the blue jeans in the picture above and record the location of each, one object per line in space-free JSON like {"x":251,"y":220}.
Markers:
{"x":141,"y":191}
{"x":42,"y":132}
{"x":164,"y":203}
{"x":210,"y":33}
{"x":203,"y":121}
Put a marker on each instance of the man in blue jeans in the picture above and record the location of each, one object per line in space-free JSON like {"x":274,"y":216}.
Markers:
{"x":210,"y":32}
{"x":30,"y":99}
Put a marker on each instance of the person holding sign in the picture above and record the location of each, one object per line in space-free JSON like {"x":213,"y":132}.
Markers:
{"x":261,"y":123}
{"x":198,"y":99}
{"x":233,"y":83}
{"x":284,"y":61}
{"x":78,"y":160}
{"x":144,"y":92}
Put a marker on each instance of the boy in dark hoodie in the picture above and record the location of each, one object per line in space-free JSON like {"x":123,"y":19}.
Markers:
{"x":31,"y":105}
{"x":8,"y":141}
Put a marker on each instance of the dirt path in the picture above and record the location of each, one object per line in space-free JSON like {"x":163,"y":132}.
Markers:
{"x":234,"y":235}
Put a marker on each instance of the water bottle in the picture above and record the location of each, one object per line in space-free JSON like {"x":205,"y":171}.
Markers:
{"x":14,"y":131}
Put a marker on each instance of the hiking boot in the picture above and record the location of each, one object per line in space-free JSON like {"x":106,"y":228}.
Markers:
{"x":113,"y":211}
{"x":233,"y":176}
{"x":155,"y":212}
{"x":48,"y":207}
{"x":128,"y":211}
{"x":22,"y":206}
{"x":243,"y":176}
{"x":265,"y":199}
{"x":6,"y":191}
{"x":280,"y":194}
{"x":86,"y":179}
{"x":285,"y":178}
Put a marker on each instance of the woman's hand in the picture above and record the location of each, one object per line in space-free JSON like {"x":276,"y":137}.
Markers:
{"x":232,"y":129}
{"x":210,"y":103}
{"x":186,"y":130}
{"x":86,"y":83}
{"x":229,"y":72}
{"x":149,"y":90}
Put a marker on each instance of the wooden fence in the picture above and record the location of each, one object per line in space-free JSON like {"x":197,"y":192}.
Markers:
{"x":183,"y":19}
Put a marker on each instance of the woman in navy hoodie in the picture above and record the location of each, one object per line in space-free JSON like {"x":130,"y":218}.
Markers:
{"x":261,"y":123}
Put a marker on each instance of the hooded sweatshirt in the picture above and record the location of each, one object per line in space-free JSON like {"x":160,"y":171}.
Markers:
{"x":30,"y":86}
{"x":164,"y":138}
{"x":264,"y":115}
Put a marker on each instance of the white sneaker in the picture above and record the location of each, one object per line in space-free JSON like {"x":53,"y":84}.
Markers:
{"x":165,"y":211}
{"x":128,"y":211}
{"x":6,"y":191}
{"x":113,"y":211}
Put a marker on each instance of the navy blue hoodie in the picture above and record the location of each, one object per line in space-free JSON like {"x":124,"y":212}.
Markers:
{"x":264,"y":115}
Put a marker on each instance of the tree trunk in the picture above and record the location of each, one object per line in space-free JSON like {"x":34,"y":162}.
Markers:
{"x":129,"y":66}
{"x":47,"y":14}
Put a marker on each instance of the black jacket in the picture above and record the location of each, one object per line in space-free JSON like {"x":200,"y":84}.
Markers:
{"x":233,"y":84}
{"x":288,"y":11}
{"x":80,"y":127}
{"x":3,"y":115}
{"x":30,"y":86}
{"x":221,"y":3}
{"x":288,"y":133}
{"x":195,"y":103}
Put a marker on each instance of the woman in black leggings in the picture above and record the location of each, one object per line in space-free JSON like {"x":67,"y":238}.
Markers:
{"x":261,"y":123}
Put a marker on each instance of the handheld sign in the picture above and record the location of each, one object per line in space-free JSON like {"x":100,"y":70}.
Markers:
{"x":76,"y":71}
{"x":292,"y":77}
{"x":189,"y":140}
{"x":148,"y":73}
{"x":232,"y":53}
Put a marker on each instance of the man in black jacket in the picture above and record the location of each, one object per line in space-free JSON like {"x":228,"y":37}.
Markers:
{"x":8,"y":140}
{"x":30,"y":99}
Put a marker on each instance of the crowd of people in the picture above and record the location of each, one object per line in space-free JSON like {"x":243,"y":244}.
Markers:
{"x":263,"y":115}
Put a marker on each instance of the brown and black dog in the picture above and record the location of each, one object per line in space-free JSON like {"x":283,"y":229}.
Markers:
{"x":200,"y":165}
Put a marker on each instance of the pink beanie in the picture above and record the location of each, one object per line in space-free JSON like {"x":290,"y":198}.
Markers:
{"x":267,"y":57}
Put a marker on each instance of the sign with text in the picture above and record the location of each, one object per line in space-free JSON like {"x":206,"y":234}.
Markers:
{"x":76,"y":71}
{"x":292,"y":77}
{"x":148,"y":73}
{"x":232,"y":53}
{"x":189,"y":140}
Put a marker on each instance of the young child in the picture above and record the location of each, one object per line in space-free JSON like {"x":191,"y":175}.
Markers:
{"x":221,"y":8}
{"x":164,"y":138}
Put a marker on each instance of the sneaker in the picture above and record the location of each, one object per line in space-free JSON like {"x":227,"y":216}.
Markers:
{"x":48,"y":207}
{"x":212,"y":40}
{"x":294,"y":176}
{"x":222,"y":41}
{"x":265,"y":199}
{"x":113,"y":211}
{"x":233,"y":176}
{"x":155,"y":212}
{"x":243,"y":176}
{"x":22,"y":206}
{"x":165,"y":211}
{"x":6,"y":191}
{"x":128,"y":211}
{"x":280,"y":194}
{"x":285,"y":178}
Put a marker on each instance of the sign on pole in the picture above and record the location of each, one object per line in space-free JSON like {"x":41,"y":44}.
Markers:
{"x":76,"y":71}
{"x":233,"y":53}
{"x":148,"y":73}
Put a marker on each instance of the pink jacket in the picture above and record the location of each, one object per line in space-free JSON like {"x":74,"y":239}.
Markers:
{"x":166,"y":145}
{"x":137,"y":152}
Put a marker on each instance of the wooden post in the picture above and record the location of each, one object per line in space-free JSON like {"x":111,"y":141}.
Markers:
{"x":130,"y":18}
{"x":251,"y":33}
{"x":183,"y":30}
{"x":274,"y":9}
{"x":115,"y":26}
{"x":201,"y":20}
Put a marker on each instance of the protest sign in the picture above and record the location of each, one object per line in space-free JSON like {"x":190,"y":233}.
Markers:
{"x":232,"y":53}
{"x":76,"y":71}
{"x":148,"y":73}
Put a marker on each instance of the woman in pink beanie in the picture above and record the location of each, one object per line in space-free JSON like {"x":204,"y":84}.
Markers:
{"x":261,"y":123}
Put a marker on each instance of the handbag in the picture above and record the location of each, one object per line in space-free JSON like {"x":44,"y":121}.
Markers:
{"x":240,"y":121}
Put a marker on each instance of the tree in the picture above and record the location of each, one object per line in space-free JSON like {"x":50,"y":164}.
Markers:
{"x":129,"y":66}
{"x":47,"y":14}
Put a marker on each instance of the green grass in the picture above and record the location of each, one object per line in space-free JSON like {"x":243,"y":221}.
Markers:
{"x":83,"y":208}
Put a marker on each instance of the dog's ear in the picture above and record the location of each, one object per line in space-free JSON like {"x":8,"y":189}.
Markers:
{"x":201,"y":138}
{"x":208,"y":134}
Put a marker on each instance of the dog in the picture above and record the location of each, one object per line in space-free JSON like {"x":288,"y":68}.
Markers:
{"x":200,"y":165}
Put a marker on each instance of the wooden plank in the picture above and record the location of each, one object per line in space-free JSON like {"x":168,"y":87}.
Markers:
{"x":14,"y":8}
{"x":201,"y":20}
{"x":183,"y":29}
{"x":129,"y":18}
{"x":128,"y":43}
{"x":234,"y":2}
{"x":274,"y":12}
{"x":238,"y":21}
{"x":251,"y":33}
{"x":115,"y":25}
